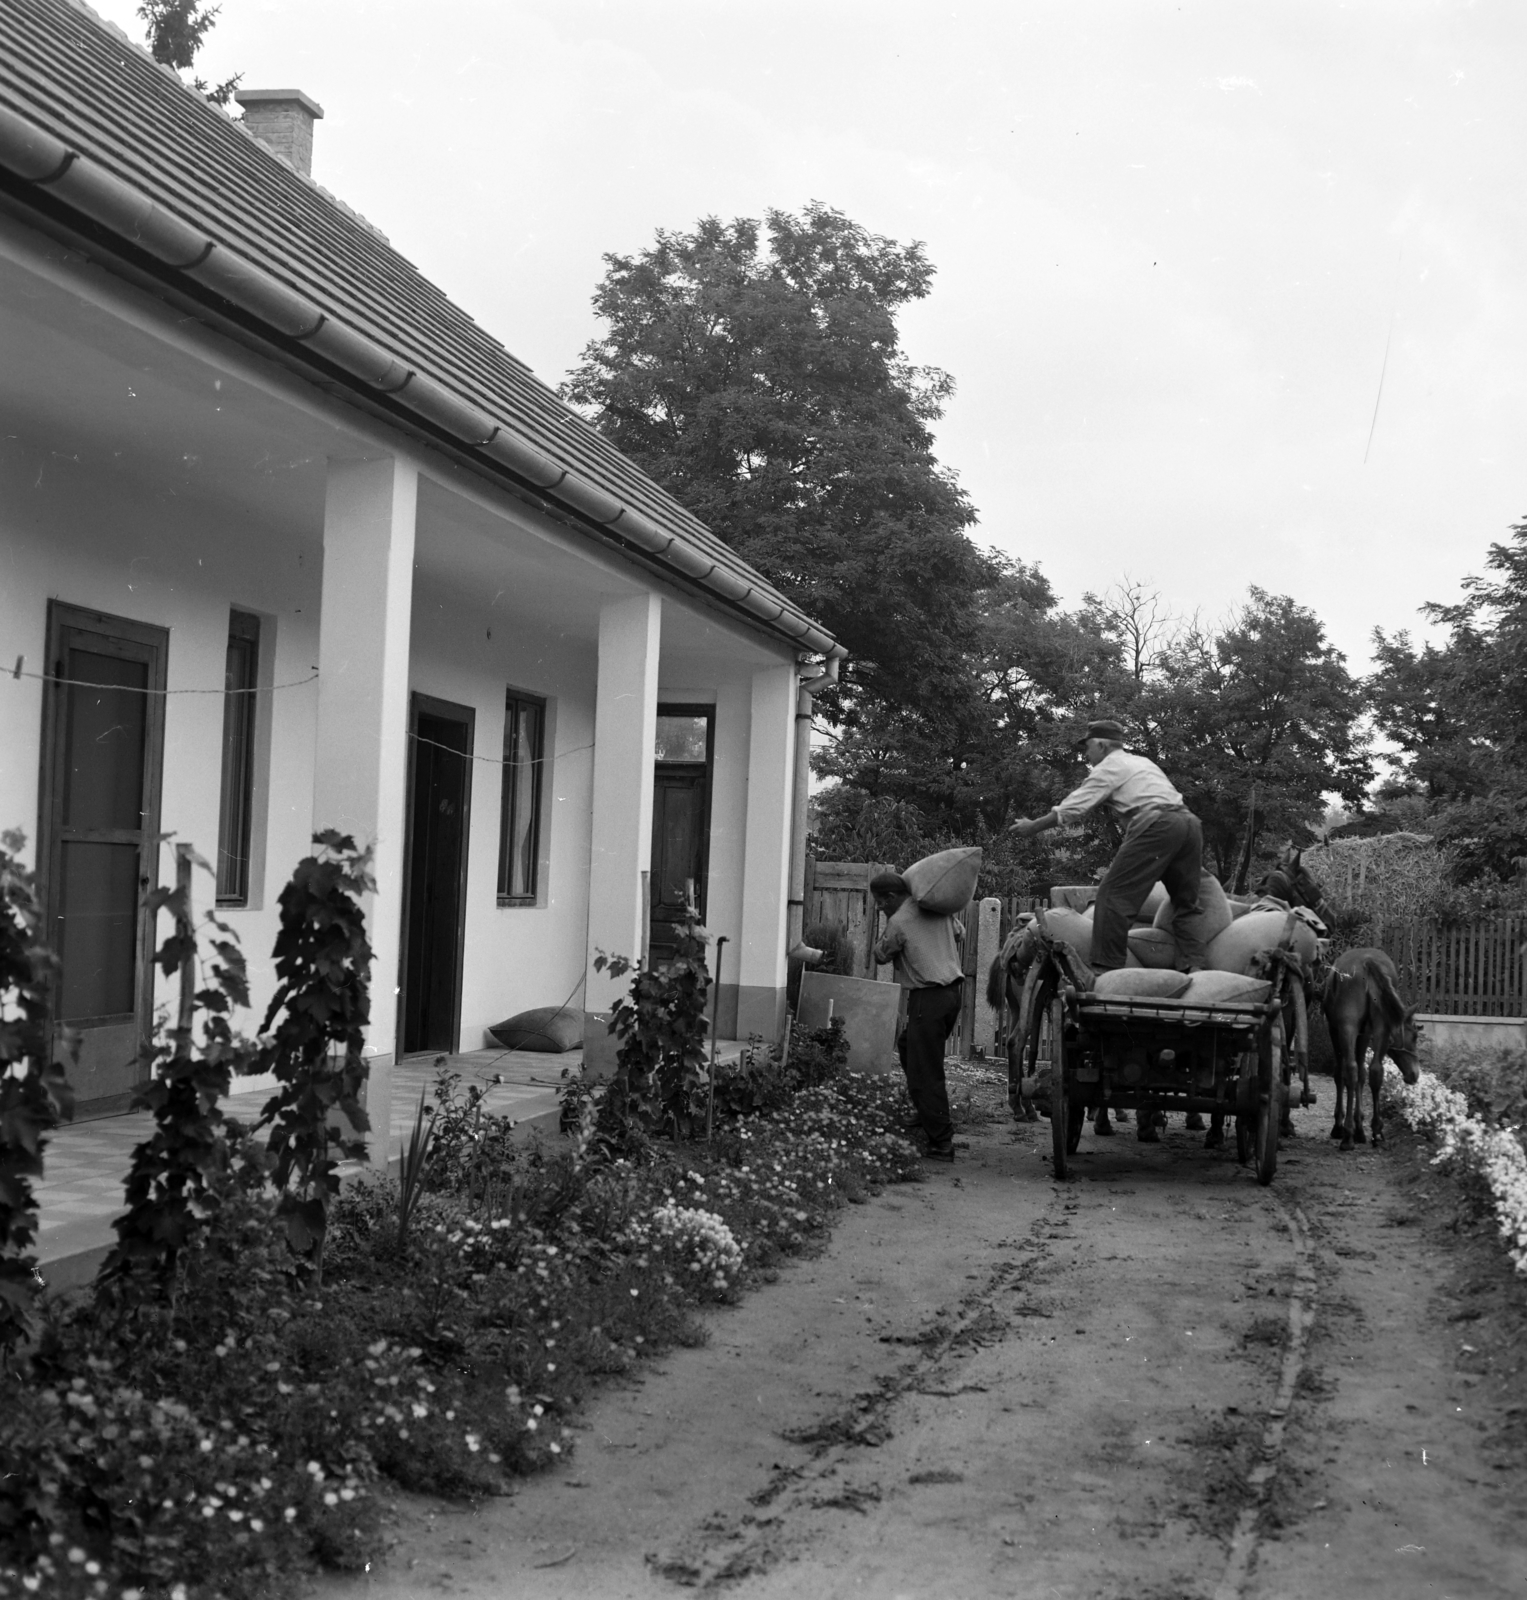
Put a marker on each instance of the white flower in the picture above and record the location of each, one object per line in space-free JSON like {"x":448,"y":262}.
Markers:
{"x":1494,"y":1155}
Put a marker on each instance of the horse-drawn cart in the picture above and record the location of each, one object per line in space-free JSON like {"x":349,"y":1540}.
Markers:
{"x":1144,"y":1053}
{"x":1149,"y":1054}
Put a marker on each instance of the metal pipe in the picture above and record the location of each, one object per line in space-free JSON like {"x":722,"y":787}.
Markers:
{"x":795,"y":947}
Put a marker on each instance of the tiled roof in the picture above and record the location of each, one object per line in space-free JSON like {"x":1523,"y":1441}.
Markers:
{"x":113,"y":136}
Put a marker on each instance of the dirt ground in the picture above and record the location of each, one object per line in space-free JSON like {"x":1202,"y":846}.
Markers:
{"x":1156,"y":1381}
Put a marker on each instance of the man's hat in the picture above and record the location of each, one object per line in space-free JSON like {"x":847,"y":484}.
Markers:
{"x":1106,"y":729}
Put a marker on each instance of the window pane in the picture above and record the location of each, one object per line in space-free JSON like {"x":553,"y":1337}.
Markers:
{"x":237,"y":804}
{"x":527,"y":773}
{"x":98,"y":909}
{"x":106,"y":736}
{"x":520,"y":841}
{"x":681,"y":738}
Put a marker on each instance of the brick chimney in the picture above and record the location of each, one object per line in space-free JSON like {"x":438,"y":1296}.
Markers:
{"x":283,"y":119}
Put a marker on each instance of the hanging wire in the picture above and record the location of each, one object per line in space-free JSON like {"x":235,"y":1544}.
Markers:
{"x":497,"y":761}
{"x":132,"y":688}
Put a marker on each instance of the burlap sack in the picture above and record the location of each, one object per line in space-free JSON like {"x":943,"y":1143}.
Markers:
{"x":1153,"y":947}
{"x":945,"y":883}
{"x":1075,"y":927}
{"x":1142,"y":982}
{"x":1233,"y":950}
{"x":1214,"y":914}
{"x":1225,"y":988}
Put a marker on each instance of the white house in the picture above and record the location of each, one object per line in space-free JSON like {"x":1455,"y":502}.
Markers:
{"x":288,"y":542}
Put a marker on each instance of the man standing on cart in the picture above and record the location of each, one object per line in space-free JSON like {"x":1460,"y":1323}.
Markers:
{"x":1163,"y":841}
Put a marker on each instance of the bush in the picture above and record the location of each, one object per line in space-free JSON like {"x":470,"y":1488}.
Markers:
{"x":1493,"y":1080}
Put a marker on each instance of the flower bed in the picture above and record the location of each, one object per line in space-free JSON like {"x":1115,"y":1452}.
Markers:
{"x":242,"y":1432}
{"x":1491,"y":1158}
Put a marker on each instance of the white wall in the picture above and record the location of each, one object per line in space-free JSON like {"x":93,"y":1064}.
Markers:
{"x":516,"y":956}
{"x":105,"y":541}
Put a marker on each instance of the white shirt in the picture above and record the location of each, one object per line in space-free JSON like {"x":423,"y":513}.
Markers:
{"x":1127,"y":783}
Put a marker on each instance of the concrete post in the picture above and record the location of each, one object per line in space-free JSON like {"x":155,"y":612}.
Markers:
{"x":620,"y":847}
{"x":766,"y":860}
{"x":988,"y":945}
{"x":359,"y":774}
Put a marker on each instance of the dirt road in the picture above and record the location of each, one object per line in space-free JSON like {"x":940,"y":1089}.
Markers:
{"x":1156,"y":1381}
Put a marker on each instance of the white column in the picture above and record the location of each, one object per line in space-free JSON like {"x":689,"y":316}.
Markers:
{"x":362,"y":757}
{"x":766,"y":862}
{"x":620,"y":844}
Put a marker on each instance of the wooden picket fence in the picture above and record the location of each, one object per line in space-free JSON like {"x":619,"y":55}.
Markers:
{"x":1466,"y":969}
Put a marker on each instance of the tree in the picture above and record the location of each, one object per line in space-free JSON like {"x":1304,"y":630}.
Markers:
{"x":756,"y":373}
{"x":1255,"y":725}
{"x":913,"y":780}
{"x":1456,"y":712}
{"x":176,"y":30}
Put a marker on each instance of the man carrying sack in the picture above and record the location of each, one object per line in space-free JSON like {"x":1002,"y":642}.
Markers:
{"x":1163,"y":841}
{"x":924,"y":946}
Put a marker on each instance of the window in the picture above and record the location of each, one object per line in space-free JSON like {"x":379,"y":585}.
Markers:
{"x":519,"y":844}
{"x":236,"y":810}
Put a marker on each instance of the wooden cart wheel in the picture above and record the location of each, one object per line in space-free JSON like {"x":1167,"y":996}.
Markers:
{"x":1060,"y":1089}
{"x":1243,"y":1128}
{"x":1269,"y":1100}
{"x":1023,"y":1041}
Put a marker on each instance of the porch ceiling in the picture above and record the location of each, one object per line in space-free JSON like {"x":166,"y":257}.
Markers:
{"x":471,"y":554}
{"x":85,"y":383}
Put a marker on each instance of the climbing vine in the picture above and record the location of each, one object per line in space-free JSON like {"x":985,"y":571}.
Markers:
{"x":323,"y":964}
{"x":34,"y":1090}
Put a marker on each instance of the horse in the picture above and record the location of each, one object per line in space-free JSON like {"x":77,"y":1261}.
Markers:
{"x":1362,"y":1007}
{"x":1294,"y":883}
{"x":1004,"y":981}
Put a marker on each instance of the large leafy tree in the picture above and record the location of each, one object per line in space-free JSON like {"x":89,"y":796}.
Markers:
{"x":1457,"y":713}
{"x":756,"y":372}
{"x":1256,"y":723}
{"x":914,"y":780}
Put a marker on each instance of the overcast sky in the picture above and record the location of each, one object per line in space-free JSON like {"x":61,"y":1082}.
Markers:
{"x":1174,"y":242}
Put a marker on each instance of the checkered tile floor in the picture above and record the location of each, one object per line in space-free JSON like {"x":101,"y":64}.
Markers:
{"x":85,"y":1163}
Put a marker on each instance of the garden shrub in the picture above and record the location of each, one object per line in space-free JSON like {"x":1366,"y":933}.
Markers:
{"x":272,"y":1381}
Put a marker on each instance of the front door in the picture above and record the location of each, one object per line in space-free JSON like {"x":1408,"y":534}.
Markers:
{"x":680,"y":823}
{"x":439,"y":802}
{"x":103,"y":751}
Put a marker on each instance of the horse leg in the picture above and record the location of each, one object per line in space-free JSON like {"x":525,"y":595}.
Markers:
{"x":1360,"y":1058}
{"x":1376,"y":1079}
{"x":1215,"y":1137}
{"x":1346,"y":1092}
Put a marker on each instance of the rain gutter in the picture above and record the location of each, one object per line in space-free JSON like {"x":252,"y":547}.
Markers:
{"x":300,"y":328}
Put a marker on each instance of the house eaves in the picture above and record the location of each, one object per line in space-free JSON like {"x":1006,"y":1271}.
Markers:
{"x":94,"y":132}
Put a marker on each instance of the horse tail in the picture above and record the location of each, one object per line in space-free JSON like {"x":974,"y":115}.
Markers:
{"x":996,"y":981}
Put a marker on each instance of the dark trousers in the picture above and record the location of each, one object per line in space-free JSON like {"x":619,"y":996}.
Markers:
{"x":931,"y":1016}
{"x":1164,"y":844}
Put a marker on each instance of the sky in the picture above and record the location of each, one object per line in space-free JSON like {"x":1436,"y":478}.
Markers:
{"x":1232,"y":295}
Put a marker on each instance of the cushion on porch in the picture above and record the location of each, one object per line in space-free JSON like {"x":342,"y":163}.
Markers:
{"x":944,"y":883}
{"x":552,"y":1028}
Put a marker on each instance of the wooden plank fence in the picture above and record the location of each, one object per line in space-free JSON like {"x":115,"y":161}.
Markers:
{"x":1466,"y":969}
{"x":838,"y":895}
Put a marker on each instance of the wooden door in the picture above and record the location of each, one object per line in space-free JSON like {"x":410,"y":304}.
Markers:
{"x":434,"y":915}
{"x":103,"y":754}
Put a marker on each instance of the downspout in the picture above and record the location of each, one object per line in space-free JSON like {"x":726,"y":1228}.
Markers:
{"x":795,"y":948}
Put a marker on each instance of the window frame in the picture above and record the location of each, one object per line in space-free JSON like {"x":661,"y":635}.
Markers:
{"x":235,"y":811}
{"x":514,"y":701}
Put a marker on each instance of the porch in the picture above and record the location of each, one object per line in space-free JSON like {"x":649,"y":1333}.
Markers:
{"x":81,"y":1194}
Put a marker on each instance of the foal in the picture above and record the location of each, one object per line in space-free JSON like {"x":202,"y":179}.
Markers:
{"x":1363,"y":1008}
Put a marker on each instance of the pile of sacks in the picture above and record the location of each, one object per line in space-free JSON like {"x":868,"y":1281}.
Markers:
{"x":1234,"y":934}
